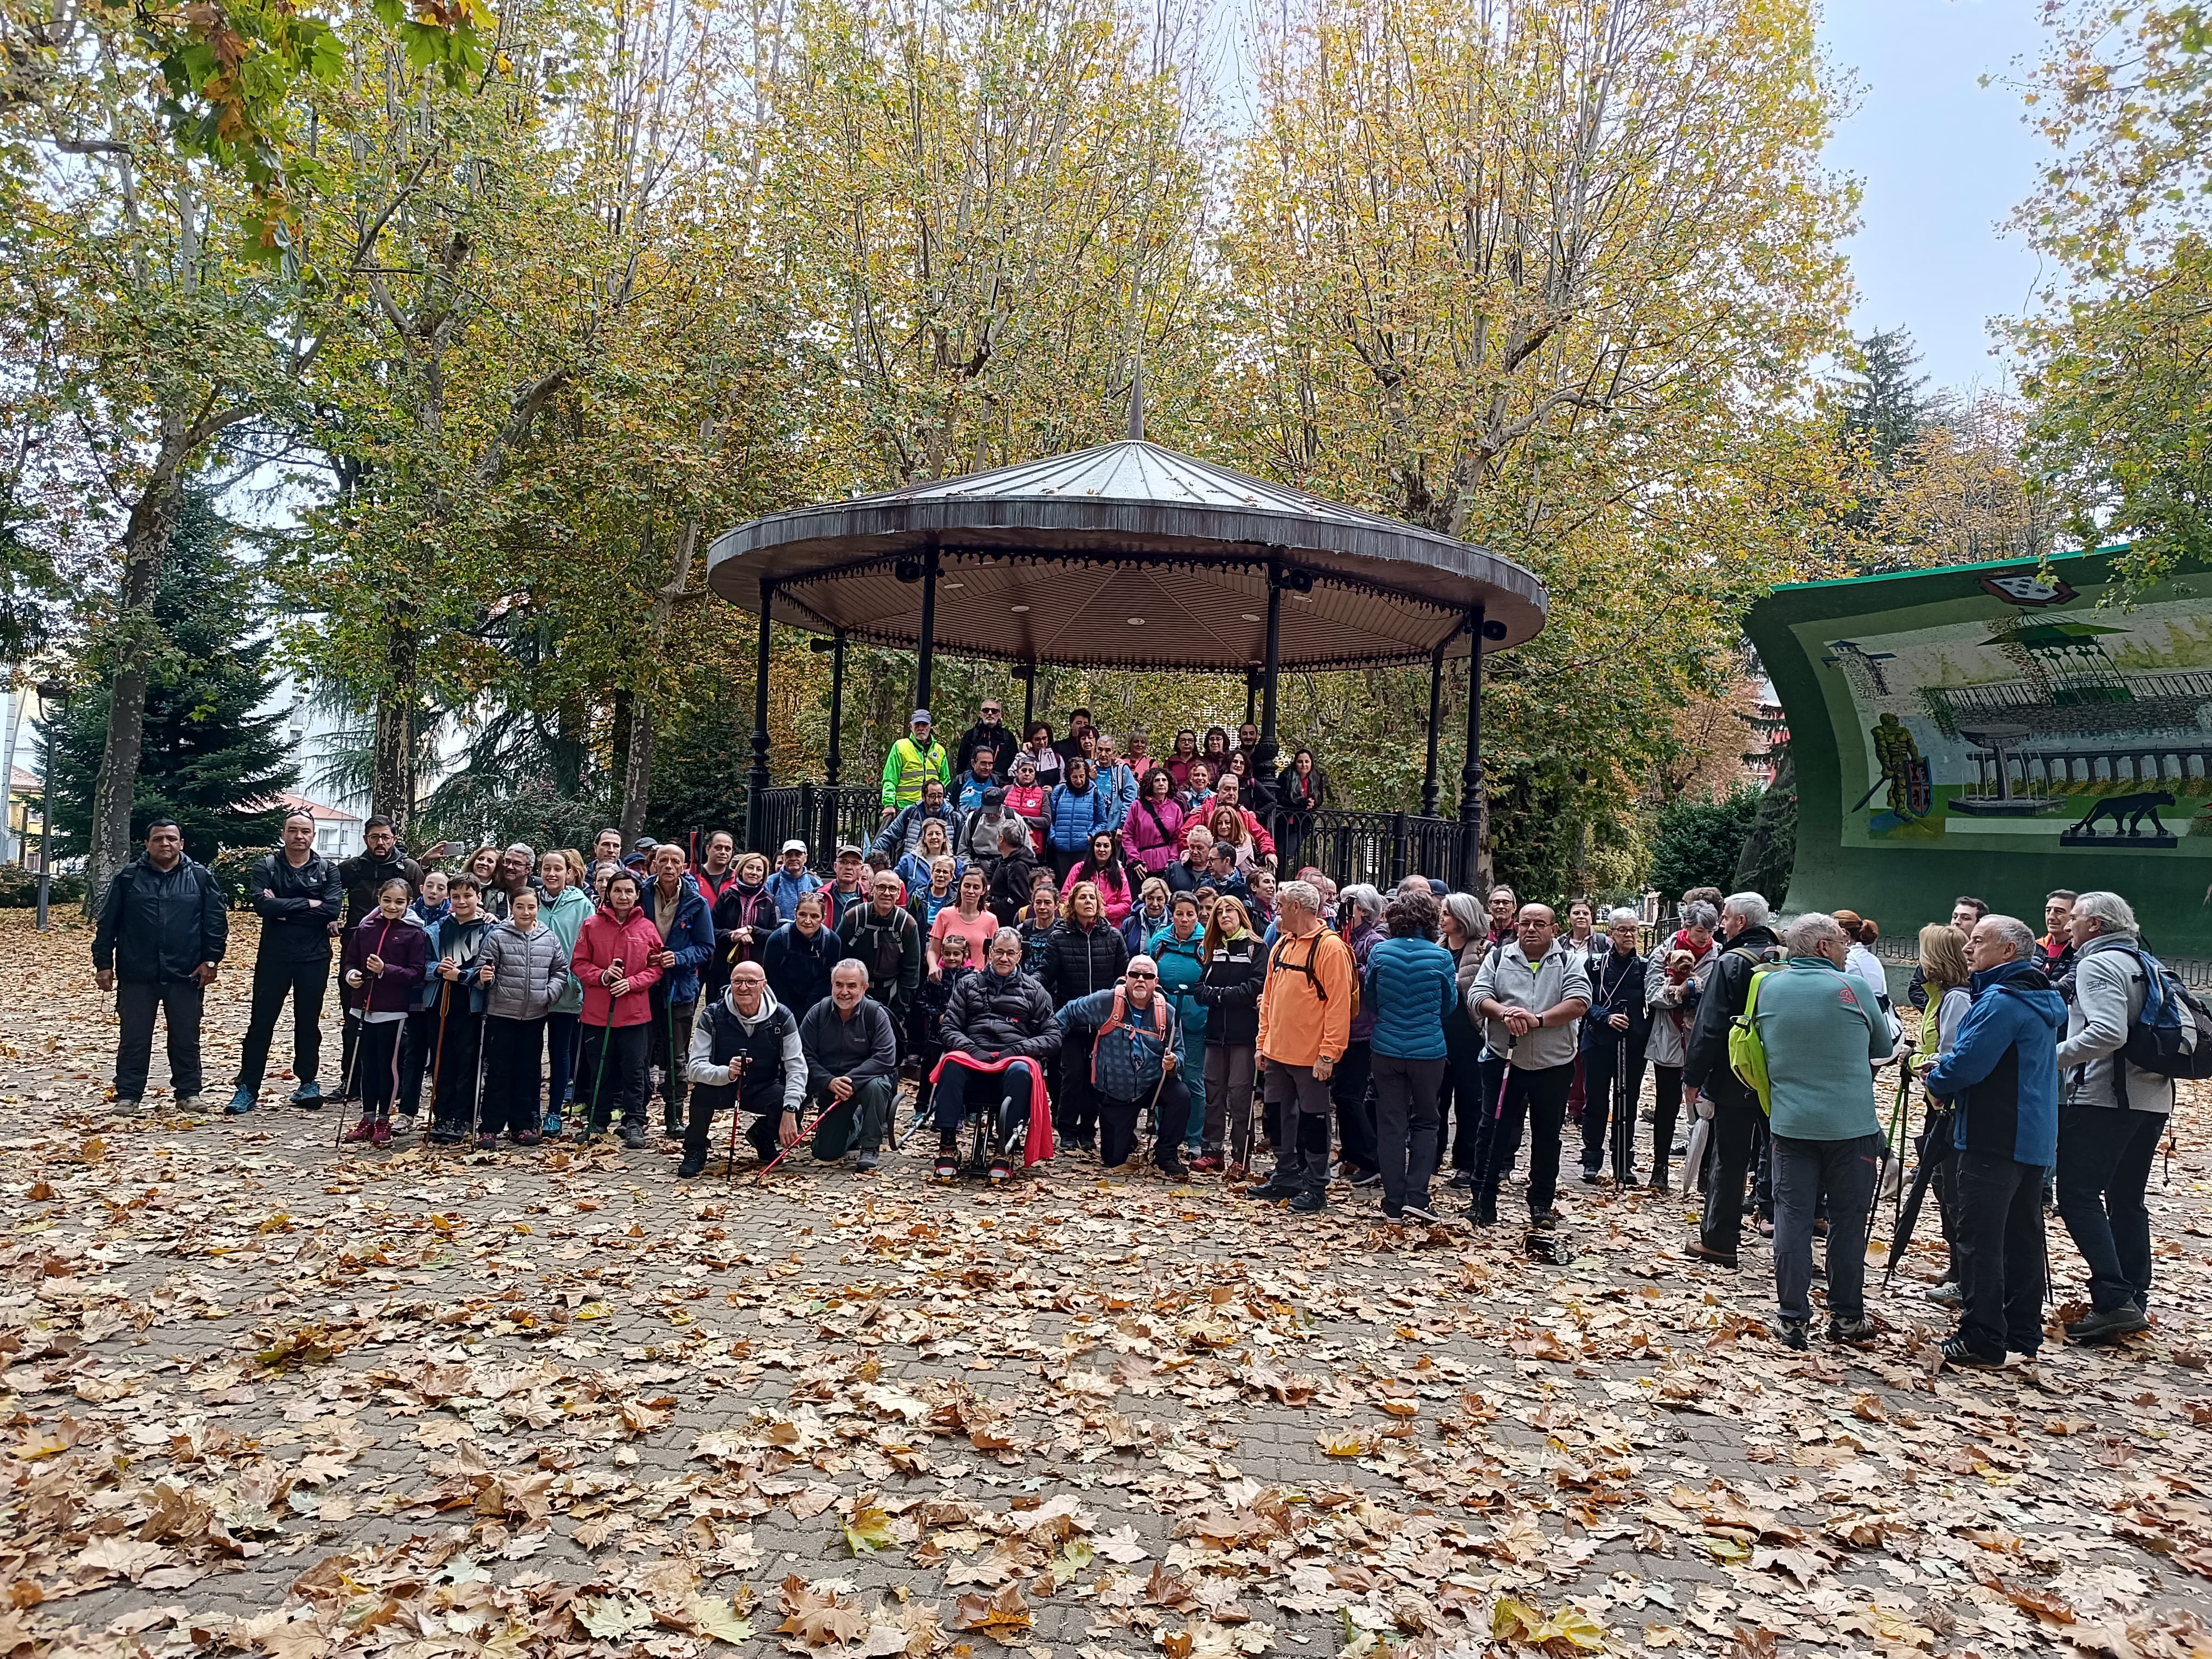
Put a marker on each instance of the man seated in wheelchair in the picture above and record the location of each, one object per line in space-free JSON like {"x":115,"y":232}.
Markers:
{"x":999,"y":1038}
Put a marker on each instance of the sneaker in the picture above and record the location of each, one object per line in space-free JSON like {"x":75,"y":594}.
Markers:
{"x":1945,"y":1295}
{"x":1956,"y":1352}
{"x":362,"y":1130}
{"x":1205,"y":1163}
{"x":1791,"y":1333}
{"x":948,"y":1169}
{"x":123,"y":1108}
{"x":1002,"y":1169}
{"x":1544,"y":1220}
{"x":1766,"y":1226}
{"x":1286,"y":1181}
{"x":633,"y":1136}
{"x":379,"y":1133}
{"x":188,"y":1103}
{"x":1699,"y":1250}
{"x":1367,"y":1178}
{"x":526,"y":1138}
{"x":308,"y":1097}
{"x":867,"y":1161}
{"x":1172,"y":1168}
{"x":1421,"y":1215}
{"x":240,"y":1104}
{"x":694,"y":1164}
{"x":1463,"y":1178}
{"x":1861,"y":1329}
{"x":487,"y":1141}
{"x":2110,"y":1325}
{"x":1311,"y":1199}
{"x":405,"y":1123}
{"x":552,"y":1125}
{"x":1591,"y":1178}
{"x":446,"y":1137}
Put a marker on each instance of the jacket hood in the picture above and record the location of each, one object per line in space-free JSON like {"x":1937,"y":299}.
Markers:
{"x":2025,"y":982}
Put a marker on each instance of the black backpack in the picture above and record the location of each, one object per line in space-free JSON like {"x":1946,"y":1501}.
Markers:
{"x":2171,"y":1036}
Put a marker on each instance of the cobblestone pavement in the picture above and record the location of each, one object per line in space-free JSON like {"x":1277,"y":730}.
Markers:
{"x":268,"y":1396}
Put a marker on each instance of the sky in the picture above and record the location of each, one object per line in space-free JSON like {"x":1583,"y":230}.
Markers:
{"x":1941,"y":161}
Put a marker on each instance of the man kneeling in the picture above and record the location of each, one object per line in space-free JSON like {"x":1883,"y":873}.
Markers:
{"x":745,"y":1055}
{"x":1132,"y":1060}
{"x":852,"y":1066}
{"x":999,"y":1034}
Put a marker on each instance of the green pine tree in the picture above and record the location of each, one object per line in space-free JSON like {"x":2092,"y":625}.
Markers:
{"x":1886,"y":403}
{"x":211,"y":761}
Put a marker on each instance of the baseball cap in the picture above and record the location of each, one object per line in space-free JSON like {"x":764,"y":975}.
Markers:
{"x":794,"y":845}
{"x":852,"y":846}
{"x":645,"y":844}
{"x":919,"y":717}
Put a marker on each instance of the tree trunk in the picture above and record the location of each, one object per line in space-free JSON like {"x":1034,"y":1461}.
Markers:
{"x":391,"y":764}
{"x":133,"y":640}
{"x":637,"y":773}
{"x":618,"y":755}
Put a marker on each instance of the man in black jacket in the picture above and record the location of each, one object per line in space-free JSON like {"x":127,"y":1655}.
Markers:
{"x":160,"y":940}
{"x":999,"y":1041}
{"x":296,"y":893}
{"x":1710,"y":1089}
{"x":852,"y":1066}
{"x":1613,"y":1033}
{"x":988,"y":733}
{"x":884,"y":935}
{"x":362,"y":877}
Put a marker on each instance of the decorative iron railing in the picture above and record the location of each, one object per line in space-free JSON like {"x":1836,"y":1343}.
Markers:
{"x":1382,"y":848}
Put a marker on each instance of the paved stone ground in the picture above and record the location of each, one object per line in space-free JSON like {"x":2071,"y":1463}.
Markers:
{"x":268,"y":1396}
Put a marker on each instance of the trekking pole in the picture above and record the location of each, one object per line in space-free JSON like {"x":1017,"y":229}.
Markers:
{"x":1902,"y":1118}
{"x":801,"y":1135}
{"x":438,"y":1054}
{"x":351,"y":1071}
{"x":737,"y":1097}
{"x":606,"y":1042}
{"x":1623,"y":1119}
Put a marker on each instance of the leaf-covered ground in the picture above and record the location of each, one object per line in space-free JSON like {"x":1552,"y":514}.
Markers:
{"x":266,"y":1397}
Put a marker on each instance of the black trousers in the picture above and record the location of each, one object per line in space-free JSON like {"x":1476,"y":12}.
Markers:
{"x":1737,"y":1121}
{"x":2104,"y":1158}
{"x":1602,"y":1060}
{"x":514,"y":1053}
{"x":611,"y":1076}
{"x":304,"y":982}
{"x":1075,"y":1104}
{"x":136,"y":1002}
{"x":417,"y":1049}
{"x":1117,"y":1125}
{"x":460,"y":1090}
{"x":1350,"y":1089}
{"x":1405,"y":1126}
{"x":1539,"y":1095}
{"x":1468,"y":1104}
{"x":2000,"y":1244}
{"x":1666,"y":1107}
{"x":376,"y":1066}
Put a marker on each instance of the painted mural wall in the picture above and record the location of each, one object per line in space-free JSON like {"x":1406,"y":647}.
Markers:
{"x":1994,"y":725}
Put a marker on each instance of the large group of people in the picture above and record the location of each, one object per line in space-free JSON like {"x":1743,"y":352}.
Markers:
{"x":1109,"y":965}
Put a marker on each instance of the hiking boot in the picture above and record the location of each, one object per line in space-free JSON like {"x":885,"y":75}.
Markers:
{"x":1947,"y":1295}
{"x":1699,"y":1250}
{"x":1172,"y":1168}
{"x":671,"y":1119}
{"x":379,"y":1133}
{"x":1658,"y":1181}
{"x":1791,"y":1333}
{"x":1310,"y":1198}
{"x":487,"y":1141}
{"x":1206,"y":1163}
{"x":1287,"y":1181}
{"x":633,"y":1136}
{"x":867,"y":1161}
{"x":308,"y":1097}
{"x":694,"y":1164}
{"x":361,"y":1131}
{"x":2110,"y":1325}
{"x":1858,"y":1330}
{"x":1956,"y":1352}
{"x":240,"y":1104}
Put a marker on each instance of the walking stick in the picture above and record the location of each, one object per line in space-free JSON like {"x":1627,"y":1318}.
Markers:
{"x":346,"y":1087}
{"x":1900,"y":1116}
{"x":1624,"y":1116}
{"x":737,"y":1107}
{"x":793,"y":1147}
{"x":606,"y":1042}
{"x":438,"y":1054}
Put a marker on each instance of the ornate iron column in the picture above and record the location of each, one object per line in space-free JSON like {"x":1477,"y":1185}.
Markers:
{"x":1264,"y":756}
{"x":927,"y":658}
{"x":1470,"y":771}
{"x":1436,"y":707}
{"x":756,"y":777}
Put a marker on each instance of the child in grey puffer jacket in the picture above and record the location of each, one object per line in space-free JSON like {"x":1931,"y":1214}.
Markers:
{"x":524,"y":971}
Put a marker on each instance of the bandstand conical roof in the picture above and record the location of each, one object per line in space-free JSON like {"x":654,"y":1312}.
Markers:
{"x":1129,"y":555}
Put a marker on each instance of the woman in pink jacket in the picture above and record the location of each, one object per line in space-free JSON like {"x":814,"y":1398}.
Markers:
{"x":1154,"y":826}
{"x":619,"y":957}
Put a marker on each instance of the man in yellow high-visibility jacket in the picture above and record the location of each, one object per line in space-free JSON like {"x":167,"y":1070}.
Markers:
{"x":913,"y":761}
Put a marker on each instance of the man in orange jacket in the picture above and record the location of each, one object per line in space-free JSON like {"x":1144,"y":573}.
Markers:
{"x":1305,"y":1025}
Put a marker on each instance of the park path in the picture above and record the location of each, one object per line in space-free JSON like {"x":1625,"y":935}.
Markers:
{"x":266,"y":1397}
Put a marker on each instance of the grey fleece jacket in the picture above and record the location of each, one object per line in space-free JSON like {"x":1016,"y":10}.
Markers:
{"x":2108,"y":994}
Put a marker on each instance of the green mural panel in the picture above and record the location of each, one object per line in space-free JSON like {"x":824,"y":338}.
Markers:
{"x":1979,"y":729}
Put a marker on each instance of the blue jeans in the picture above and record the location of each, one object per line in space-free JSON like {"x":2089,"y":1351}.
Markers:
{"x":561,"y":1073}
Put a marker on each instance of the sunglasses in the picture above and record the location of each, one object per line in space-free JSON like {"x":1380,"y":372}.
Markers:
{"x":1140,"y":973}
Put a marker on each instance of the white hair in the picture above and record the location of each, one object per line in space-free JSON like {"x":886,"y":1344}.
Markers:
{"x":529,"y":855}
{"x":1752,"y":907}
{"x":1698,"y":913}
{"x":2014,"y":931}
{"x":1361,"y":897}
{"x":1300,"y":893}
{"x":1620,"y":914}
{"x":1809,"y":935}
{"x":2117,"y":914}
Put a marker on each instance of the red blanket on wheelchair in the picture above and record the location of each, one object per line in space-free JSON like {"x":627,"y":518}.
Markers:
{"x":1039,"y":1145}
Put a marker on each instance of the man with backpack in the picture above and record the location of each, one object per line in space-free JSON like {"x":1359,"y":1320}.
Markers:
{"x":1307,"y":1003}
{"x":2001,"y":1075}
{"x":2115,"y":1111}
{"x":884,"y":934}
{"x":1710,"y":1089}
{"x":1811,"y":1035}
{"x":1134,"y":1037}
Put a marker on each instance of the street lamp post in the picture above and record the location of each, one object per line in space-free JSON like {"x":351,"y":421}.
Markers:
{"x":53,"y":702}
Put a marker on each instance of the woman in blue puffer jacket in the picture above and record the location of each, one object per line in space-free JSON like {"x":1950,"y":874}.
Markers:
{"x":1075,"y":812}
